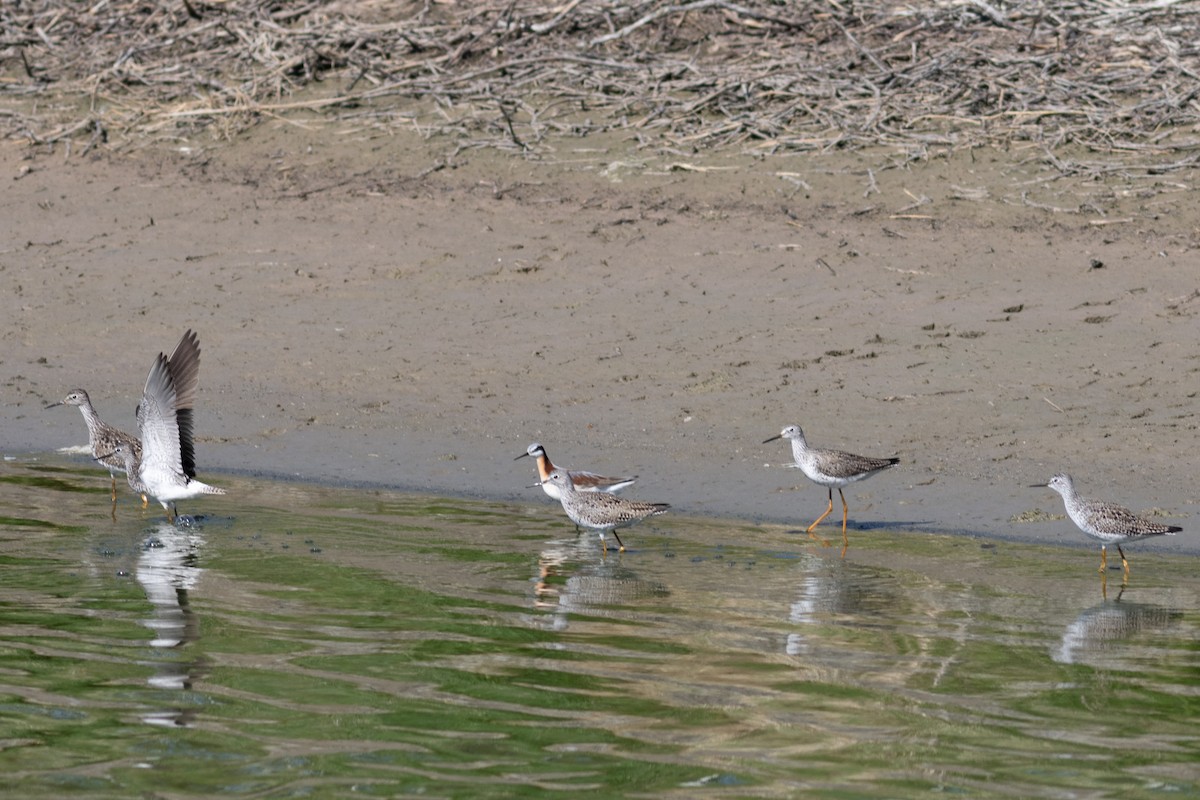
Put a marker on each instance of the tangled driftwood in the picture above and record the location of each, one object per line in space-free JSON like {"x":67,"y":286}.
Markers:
{"x":1097,"y":86}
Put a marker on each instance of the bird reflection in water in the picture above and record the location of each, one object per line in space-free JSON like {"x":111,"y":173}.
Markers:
{"x":828,"y":592}
{"x":167,"y":570}
{"x":1095,"y":635}
{"x":573,"y":578}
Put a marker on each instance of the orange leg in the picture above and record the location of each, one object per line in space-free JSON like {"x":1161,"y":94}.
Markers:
{"x":829,"y":510}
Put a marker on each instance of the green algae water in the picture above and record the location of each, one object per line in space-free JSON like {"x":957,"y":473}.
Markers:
{"x":311,"y":642}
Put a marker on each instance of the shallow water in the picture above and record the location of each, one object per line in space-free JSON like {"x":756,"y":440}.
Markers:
{"x":316,"y":642}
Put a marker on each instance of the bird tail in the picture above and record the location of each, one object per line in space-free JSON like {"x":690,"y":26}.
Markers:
{"x":205,"y":488}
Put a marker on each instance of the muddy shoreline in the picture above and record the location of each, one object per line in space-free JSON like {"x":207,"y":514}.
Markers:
{"x":368,"y":320}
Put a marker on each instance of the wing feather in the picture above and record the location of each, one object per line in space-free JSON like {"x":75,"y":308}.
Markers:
{"x":157,"y":423}
{"x":838,"y":464}
{"x":184,"y":368}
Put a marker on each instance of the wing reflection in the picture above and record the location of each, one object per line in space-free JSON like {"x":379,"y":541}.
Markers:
{"x":1098,"y":630}
{"x":167,"y":570}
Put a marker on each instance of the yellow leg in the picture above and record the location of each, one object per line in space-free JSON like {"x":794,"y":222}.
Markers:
{"x":810,"y":533}
{"x":1103,"y":559}
{"x":1103,"y":586}
{"x":1124,"y":562}
{"x":845,"y":514}
{"x":114,"y":488}
{"x":145,"y":502}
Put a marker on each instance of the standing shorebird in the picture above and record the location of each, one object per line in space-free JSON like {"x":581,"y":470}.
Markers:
{"x":103,"y":438}
{"x":1110,"y":523}
{"x":832,"y":469}
{"x":600,"y":511}
{"x":581,"y":480}
{"x":167,"y":467}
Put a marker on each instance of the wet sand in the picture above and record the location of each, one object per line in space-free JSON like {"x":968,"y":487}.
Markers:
{"x":371,"y":313}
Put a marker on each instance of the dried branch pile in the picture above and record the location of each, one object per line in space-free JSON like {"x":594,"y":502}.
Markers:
{"x":1112,"y":78}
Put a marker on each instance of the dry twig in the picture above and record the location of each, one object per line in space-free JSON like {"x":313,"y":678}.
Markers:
{"x":1099,"y":87}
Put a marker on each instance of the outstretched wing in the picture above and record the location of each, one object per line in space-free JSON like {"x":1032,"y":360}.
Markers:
{"x":157,"y":423}
{"x":184,"y":369}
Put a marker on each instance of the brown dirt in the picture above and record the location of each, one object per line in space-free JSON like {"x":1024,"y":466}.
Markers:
{"x":372,"y":311}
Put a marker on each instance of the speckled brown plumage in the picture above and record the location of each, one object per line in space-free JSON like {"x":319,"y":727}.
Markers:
{"x":832,"y":469}
{"x":103,"y":438}
{"x":601,"y":511}
{"x":1107,"y":522}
